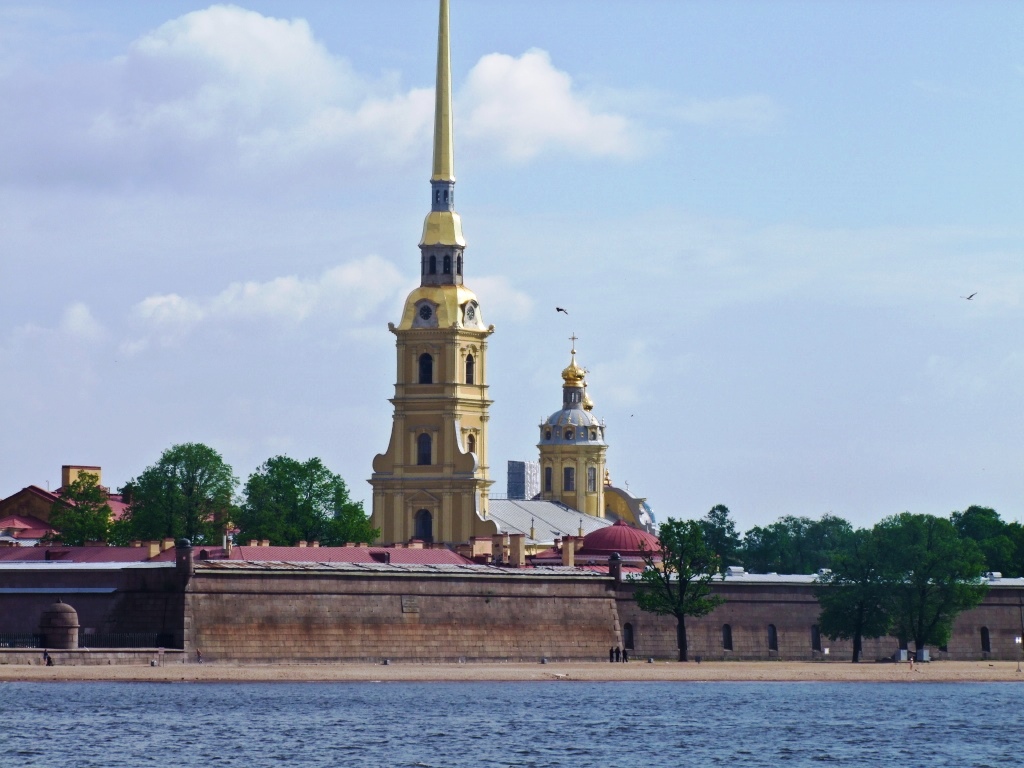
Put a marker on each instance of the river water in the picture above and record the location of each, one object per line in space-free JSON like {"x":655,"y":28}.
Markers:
{"x":559,"y":723}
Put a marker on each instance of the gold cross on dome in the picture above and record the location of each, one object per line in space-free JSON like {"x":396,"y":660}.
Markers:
{"x":573,"y":339}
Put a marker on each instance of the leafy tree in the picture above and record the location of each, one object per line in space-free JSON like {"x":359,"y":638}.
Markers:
{"x":187,"y":493}
{"x":794,"y":544}
{"x":933,"y":575}
{"x":855,"y":597}
{"x":287,"y":501}
{"x":721,"y":536}
{"x":984,"y":526}
{"x":81,"y":513}
{"x":677,"y":578}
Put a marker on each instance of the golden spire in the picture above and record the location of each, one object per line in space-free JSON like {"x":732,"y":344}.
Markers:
{"x":444,"y":143}
{"x":572,"y":374}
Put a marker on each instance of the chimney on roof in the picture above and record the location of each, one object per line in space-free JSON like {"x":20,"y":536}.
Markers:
{"x":517,"y":550}
{"x":569,"y":551}
{"x":316,"y":544}
{"x":154,"y":549}
{"x":166,"y":544}
{"x":302,"y":544}
{"x":136,"y":543}
{"x":265,"y":543}
{"x":70,"y":472}
{"x":253,"y":543}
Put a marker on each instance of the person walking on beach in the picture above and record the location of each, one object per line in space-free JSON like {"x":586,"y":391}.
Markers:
{"x":611,"y":655}
{"x":618,"y":653}
{"x":625,"y":655}
{"x":199,"y":656}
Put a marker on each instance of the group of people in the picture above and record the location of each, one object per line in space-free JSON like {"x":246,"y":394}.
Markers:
{"x":615,"y":654}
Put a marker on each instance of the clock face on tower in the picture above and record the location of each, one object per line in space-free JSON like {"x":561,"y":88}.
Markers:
{"x":471,"y":313}
{"x":426,"y":312}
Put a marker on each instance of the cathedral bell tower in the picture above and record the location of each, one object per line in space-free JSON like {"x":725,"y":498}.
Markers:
{"x":432,"y":482}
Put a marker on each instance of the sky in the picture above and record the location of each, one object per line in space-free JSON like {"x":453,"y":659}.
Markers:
{"x":762,"y":217}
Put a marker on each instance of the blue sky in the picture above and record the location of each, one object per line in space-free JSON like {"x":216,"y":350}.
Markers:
{"x":761,"y":216}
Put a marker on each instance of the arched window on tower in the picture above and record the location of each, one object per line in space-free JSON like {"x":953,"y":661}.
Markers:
{"x":569,"y":479}
{"x":471,"y":443}
{"x":547,"y":479}
{"x":591,"y":479}
{"x":423,"y":526}
{"x":423,"y":445}
{"x":447,"y":264}
{"x":547,"y":434}
{"x":470,"y":369}
{"x":458,"y":265}
{"x":426,"y":369}
{"x":433,"y":265}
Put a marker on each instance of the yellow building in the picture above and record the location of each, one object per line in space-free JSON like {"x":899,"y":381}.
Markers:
{"x":432,"y":483}
{"x":572,"y":447}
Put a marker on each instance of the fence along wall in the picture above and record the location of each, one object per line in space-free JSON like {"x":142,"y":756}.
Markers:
{"x":276,"y":614}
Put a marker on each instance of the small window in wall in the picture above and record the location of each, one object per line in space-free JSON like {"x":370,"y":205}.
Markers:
{"x":570,"y":434}
{"x":433,"y":265}
{"x":423,"y":450}
{"x":773,"y":638}
{"x":547,"y":479}
{"x":458,"y":266}
{"x":627,"y":636}
{"x":986,"y":641}
{"x":424,"y":526}
{"x":447,"y":265}
{"x":426,"y":369}
{"x":569,"y":479}
{"x":591,"y":479}
{"x":815,"y":638}
{"x":471,"y":443}
{"x":726,"y":637}
{"x":470,"y":369}
{"x":446,"y":195}
{"x":437,"y":196}
{"x":593,"y":434}
{"x":547,"y":434}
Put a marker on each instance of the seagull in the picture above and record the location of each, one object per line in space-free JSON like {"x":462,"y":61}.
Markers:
{"x":559,"y":309}
{"x":970,"y":297}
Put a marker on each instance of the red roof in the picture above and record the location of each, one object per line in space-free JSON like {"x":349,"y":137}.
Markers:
{"x":348,"y":555}
{"x":622,"y":538}
{"x":22,"y":521}
{"x":75,"y":554}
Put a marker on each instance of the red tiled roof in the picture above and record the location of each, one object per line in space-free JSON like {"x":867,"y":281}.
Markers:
{"x":622,"y":538}
{"x":22,"y":521}
{"x":348,"y":555}
{"x":75,"y":554}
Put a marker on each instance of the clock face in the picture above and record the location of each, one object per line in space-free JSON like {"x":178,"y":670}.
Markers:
{"x":471,"y":313}
{"x":426,"y":312}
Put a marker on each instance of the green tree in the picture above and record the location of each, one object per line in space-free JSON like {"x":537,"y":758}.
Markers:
{"x":187,"y":493}
{"x":855,"y":596}
{"x":985,"y":528}
{"x":677,"y":578}
{"x":721,"y":536}
{"x":81,"y":512}
{"x":933,"y":575}
{"x":794,"y":544}
{"x":287,"y":501}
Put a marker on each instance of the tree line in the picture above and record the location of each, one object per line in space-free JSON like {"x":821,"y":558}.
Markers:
{"x":908,"y":576}
{"x":191,"y":492}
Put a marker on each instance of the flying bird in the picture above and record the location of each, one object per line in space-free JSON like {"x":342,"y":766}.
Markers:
{"x":970,"y":297}
{"x":559,"y":309}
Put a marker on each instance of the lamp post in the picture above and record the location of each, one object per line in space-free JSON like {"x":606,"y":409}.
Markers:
{"x":1017,"y":640}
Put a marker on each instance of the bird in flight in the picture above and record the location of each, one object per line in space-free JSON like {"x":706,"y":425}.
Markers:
{"x":970,"y":297}
{"x":559,"y":309}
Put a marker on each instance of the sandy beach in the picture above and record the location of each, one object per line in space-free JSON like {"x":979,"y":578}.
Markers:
{"x":944,"y":671}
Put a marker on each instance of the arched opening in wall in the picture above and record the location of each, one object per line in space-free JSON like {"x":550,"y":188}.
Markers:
{"x":986,"y":641}
{"x":424,"y":526}
{"x":815,"y":638}
{"x":569,"y":479}
{"x":547,"y":479}
{"x":433,"y":265}
{"x":458,"y":265}
{"x":773,"y":638}
{"x":470,"y":369}
{"x":592,"y":479}
{"x":423,"y":445}
{"x":447,"y":265}
{"x":426,"y":369}
{"x":627,"y":636}
{"x":570,"y":434}
{"x":547,"y":434}
{"x":471,"y":443}
{"x":726,"y":637}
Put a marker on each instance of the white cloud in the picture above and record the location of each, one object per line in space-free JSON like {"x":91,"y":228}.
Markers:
{"x":500,"y":300}
{"x":354,"y":289}
{"x":754,"y":112}
{"x":524,"y":106}
{"x":79,"y":323}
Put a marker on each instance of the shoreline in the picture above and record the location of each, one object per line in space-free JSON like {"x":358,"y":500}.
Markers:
{"x":662,"y":671}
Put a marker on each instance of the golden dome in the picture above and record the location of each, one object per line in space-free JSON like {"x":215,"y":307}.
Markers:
{"x":573,"y":375}
{"x":588,"y":404}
